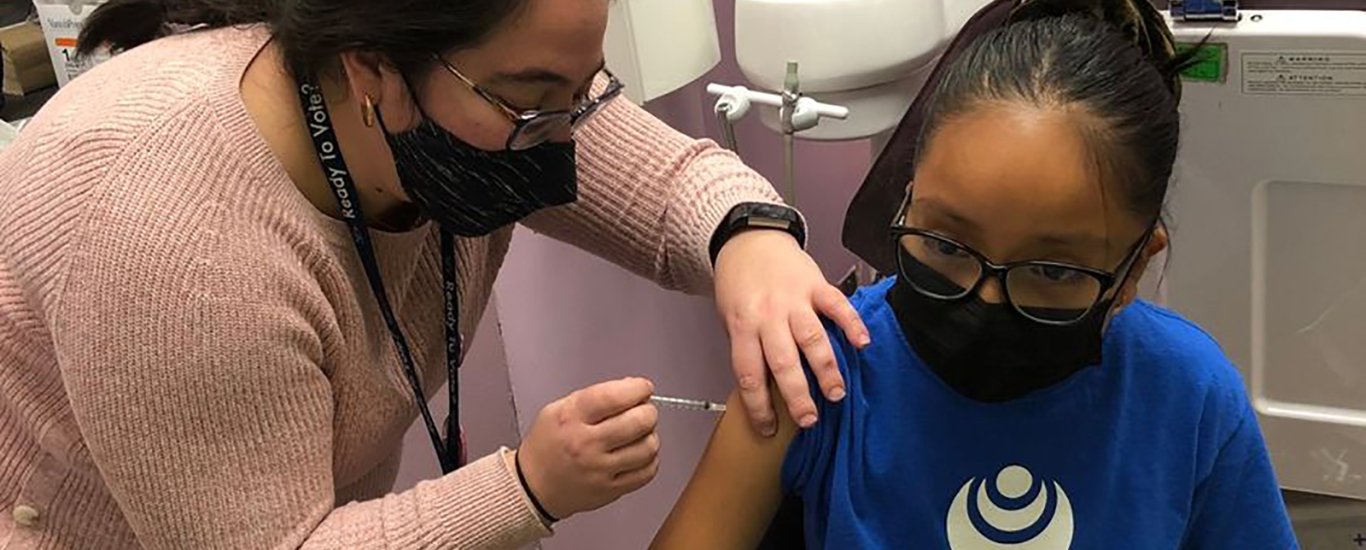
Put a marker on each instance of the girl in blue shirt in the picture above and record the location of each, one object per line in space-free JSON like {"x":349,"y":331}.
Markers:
{"x":1016,"y":394}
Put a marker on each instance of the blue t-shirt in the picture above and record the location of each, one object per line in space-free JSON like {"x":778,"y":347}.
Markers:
{"x":1155,"y":448}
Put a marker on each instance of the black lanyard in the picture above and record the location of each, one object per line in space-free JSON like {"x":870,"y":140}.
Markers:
{"x":451,"y":453}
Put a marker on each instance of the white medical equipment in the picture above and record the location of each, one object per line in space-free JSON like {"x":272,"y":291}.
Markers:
{"x":1269,"y":229}
{"x":796,"y":113}
{"x":862,"y":72}
{"x":658,"y":46}
{"x":870,"y":56}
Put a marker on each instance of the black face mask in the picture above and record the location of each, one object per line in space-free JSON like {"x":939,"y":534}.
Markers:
{"x":989,"y":352}
{"x":472,"y":192}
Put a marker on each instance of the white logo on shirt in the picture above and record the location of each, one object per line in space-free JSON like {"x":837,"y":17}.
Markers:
{"x":1019,"y":513}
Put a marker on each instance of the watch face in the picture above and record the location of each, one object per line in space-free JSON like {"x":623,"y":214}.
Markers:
{"x":758,"y":211}
{"x":768,"y":223}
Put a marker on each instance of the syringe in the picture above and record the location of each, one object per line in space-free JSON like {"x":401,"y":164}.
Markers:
{"x":688,"y":404}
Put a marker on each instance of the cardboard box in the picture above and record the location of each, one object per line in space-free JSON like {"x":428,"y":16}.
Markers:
{"x":27,"y":65}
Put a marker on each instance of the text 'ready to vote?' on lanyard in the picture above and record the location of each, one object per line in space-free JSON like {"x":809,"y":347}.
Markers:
{"x":450,"y":452}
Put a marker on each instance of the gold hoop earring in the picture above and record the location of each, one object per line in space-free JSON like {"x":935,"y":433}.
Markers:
{"x":367,"y":112}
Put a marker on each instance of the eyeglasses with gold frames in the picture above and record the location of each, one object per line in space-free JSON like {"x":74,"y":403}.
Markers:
{"x":532,"y":127}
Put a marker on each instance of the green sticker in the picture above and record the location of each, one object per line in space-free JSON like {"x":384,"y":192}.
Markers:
{"x":1210,"y":63}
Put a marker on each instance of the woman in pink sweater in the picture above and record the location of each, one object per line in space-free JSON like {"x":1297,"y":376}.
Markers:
{"x":224,"y":255}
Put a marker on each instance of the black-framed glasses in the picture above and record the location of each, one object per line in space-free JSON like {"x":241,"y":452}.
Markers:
{"x":532,"y":127}
{"x":1048,"y":292}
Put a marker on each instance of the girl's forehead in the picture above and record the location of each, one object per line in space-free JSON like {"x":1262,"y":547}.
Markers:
{"x":1024,"y":177}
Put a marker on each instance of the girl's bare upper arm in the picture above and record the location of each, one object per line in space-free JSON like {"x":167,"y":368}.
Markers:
{"x":736,"y":488}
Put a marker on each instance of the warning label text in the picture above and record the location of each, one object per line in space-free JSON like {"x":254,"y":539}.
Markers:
{"x":1304,"y":73}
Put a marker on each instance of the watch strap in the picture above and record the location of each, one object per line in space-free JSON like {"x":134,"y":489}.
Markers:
{"x":757,"y":215}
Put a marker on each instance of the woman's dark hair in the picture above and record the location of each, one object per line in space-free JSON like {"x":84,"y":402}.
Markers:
{"x":1113,"y":61}
{"x":312,"y":33}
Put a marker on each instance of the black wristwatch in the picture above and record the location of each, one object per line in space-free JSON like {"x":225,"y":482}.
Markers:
{"x":757,"y":215}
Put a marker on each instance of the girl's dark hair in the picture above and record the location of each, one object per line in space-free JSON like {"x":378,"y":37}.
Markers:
{"x":311,"y":33}
{"x":1113,"y":61}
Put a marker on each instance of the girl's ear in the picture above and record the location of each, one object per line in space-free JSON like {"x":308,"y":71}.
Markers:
{"x":1156,"y":244}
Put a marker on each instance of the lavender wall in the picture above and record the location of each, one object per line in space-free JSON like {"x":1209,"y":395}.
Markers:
{"x":569,"y":320}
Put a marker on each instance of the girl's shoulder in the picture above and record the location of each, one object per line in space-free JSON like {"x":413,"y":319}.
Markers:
{"x":1155,"y":338}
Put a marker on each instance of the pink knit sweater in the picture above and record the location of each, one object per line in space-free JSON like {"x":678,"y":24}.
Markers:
{"x":190,"y":356}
